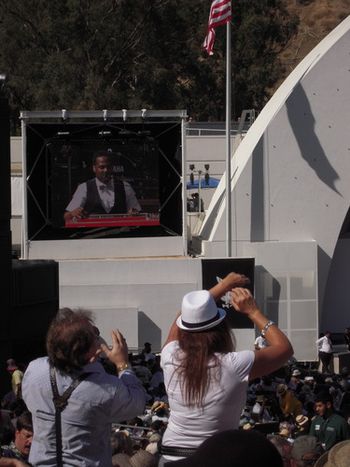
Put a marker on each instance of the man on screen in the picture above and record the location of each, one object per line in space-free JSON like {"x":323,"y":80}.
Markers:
{"x":104,"y":194}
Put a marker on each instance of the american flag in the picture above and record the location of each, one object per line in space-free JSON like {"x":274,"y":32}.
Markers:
{"x":220,"y":13}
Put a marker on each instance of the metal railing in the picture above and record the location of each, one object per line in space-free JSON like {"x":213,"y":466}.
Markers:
{"x":241,"y":126}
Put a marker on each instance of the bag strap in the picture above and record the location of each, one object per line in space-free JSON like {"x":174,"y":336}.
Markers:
{"x":60,"y":403}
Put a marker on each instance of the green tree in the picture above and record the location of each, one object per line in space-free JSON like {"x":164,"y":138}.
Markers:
{"x":95,"y":54}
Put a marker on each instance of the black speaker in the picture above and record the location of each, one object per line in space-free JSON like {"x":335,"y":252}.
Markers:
{"x":5,"y":233}
{"x":35,"y":301}
{"x":5,"y":179}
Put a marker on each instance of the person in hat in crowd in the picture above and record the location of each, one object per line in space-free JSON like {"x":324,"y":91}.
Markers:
{"x":233,"y":448}
{"x":16,"y":377}
{"x":282,"y":445}
{"x":337,"y":456}
{"x":310,"y":380}
{"x":285,"y":430}
{"x":328,"y":427}
{"x":205,"y":378}
{"x":305,"y":451}
{"x":141,"y":458}
{"x":96,"y":398}
{"x":290,"y":405}
{"x":295,"y":382}
{"x":343,"y":379}
{"x":153,"y":445}
{"x":307,"y":392}
{"x":302,"y":425}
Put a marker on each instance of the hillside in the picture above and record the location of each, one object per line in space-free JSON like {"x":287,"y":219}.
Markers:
{"x":316,"y":19}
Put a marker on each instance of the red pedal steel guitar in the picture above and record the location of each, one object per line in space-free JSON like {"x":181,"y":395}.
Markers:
{"x":114,"y":220}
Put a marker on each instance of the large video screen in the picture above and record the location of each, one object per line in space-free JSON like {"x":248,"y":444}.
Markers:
{"x":102,"y":180}
{"x":104,"y":184}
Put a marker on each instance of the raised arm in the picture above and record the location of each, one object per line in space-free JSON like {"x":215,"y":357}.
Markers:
{"x":229,"y":282}
{"x":279,"y":350}
{"x":220,"y":289}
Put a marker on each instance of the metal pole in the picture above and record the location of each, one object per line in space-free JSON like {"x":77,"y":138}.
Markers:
{"x":184,"y":191}
{"x":199,"y":189}
{"x":228,"y":141}
{"x":24,"y":230}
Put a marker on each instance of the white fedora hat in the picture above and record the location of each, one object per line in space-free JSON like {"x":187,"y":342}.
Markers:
{"x":199,"y":312}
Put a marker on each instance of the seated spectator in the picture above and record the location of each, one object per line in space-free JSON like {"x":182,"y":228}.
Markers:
{"x":157,"y":376}
{"x":141,"y":370}
{"x":283,"y":446}
{"x":289,"y":404}
{"x":20,"y":447}
{"x":285,"y":430}
{"x":121,"y":460}
{"x":6,"y":427}
{"x":295,"y":382}
{"x":233,"y":448}
{"x":338,"y":456}
{"x":258,"y":407}
{"x":152,"y":446}
{"x":138,"y":430}
{"x":147,"y":352}
{"x":306,"y":393}
{"x":302,"y":425}
{"x":158,"y":426}
{"x":8,"y":462}
{"x":141,"y":458}
{"x":305,"y":451}
{"x":121,"y":443}
{"x":160,"y":411}
{"x":328,"y":427}
{"x":267,"y":384}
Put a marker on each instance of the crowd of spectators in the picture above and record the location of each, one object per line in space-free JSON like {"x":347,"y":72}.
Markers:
{"x":289,"y":408}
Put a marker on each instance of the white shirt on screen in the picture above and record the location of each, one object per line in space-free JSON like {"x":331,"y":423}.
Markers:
{"x":106,"y":194}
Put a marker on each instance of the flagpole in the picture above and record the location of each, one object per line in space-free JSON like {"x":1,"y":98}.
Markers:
{"x":228,"y":141}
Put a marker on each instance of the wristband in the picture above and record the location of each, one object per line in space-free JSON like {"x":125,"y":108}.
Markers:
{"x":266,"y":327}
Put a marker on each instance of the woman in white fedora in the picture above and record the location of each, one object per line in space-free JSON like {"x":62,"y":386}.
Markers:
{"x":206,"y":380}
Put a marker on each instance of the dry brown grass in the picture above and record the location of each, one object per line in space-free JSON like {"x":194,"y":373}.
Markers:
{"x":317,"y":19}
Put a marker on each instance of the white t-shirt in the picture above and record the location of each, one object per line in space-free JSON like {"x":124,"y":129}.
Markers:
{"x":222,"y":405}
{"x":324,"y":345}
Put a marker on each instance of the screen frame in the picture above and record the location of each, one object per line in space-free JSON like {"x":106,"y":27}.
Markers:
{"x":108,"y":118}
